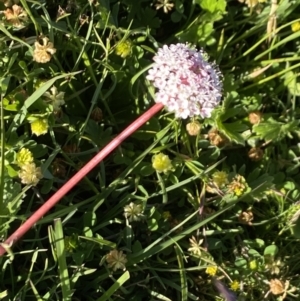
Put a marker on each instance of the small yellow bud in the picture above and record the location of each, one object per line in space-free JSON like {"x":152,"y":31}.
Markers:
{"x":123,"y":49}
{"x":253,"y":265}
{"x":24,"y":156}
{"x":161,"y":163}
{"x":235,"y":285}
{"x":39,"y":127}
{"x":220,"y":178}
{"x":211,"y":270}
{"x":295,"y":26}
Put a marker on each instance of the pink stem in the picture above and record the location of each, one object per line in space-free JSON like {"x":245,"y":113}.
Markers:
{"x":36,"y":216}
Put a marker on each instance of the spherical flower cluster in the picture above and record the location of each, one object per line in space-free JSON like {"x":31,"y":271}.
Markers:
{"x":124,"y":49}
{"x":246,"y":217}
{"x":43,"y":53}
{"x":55,"y":98}
{"x":211,"y":270}
{"x":133,"y":212}
{"x":220,"y":178}
{"x":24,"y":156}
{"x":253,"y":265}
{"x":187,"y":84}
{"x":30,"y":174}
{"x":277,"y":286}
{"x":116,"y":260}
{"x":255,"y":154}
{"x":193,"y":128}
{"x":16,"y":16}
{"x":161,"y":163}
{"x":235,"y":285}
{"x":295,"y":26}
{"x":39,"y":127}
{"x":255,"y":117}
{"x":238,"y":185}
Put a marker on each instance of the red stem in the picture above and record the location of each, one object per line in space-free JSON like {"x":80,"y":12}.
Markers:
{"x":36,"y":216}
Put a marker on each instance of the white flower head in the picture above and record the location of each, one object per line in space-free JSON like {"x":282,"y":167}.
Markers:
{"x":133,"y":212}
{"x":56,"y":99}
{"x":187,"y":84}
{"x":43,"y":53}
{"x":116,"y":260}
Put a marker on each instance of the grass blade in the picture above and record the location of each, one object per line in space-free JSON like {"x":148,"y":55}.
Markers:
{"x":120,"y":281}
{"x":61,"y":259}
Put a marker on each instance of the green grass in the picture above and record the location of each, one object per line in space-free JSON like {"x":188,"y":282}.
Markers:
{"x":248,"y":228}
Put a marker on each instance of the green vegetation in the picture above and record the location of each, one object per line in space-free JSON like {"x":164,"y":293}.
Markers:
{"x":180,"y":202}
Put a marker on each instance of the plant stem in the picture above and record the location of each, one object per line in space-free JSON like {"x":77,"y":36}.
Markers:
{"x":36,"y":216}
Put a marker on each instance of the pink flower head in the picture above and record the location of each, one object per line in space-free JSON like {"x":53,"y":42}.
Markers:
{"x":186,"y":83}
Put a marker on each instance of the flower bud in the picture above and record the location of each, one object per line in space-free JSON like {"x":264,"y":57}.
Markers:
{"x":295,"y":26}
{"x":123,"y":49}
{"x":97,"y":114}
{"x":161,"y":163}
{"x":216,"y":138}
{"x":246,"y":217}
{"x":255,"y":117}
{"x":39,"y":127}
{"x":30,"y":174}
{"x":193,"y":128}
{"x":255,"y":154}
{"x":24,"y":156}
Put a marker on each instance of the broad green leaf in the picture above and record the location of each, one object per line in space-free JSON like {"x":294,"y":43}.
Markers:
{"x":240,"y":262}
{"x":271,"y":250}
{"x":213,"y":6}
{"x":205,"y":31}
{"x":232,"y":131}
{"x":253,"y":252}
{"x":274,"y":130}
{"x":14,"y":101}
{"x":255,"y":243}
{"x":149,"y":18}
{"x":291,"y":83}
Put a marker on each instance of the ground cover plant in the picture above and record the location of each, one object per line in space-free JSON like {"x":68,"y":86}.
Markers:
{"x":201,"y":207}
